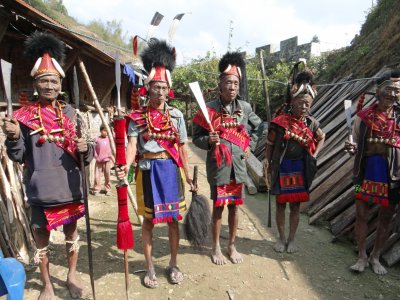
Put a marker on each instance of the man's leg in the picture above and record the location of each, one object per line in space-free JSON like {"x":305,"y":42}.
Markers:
{"x":293,"y":224}
{"x":233,"y":221}
{"x":150,"y":279}
{"x":361,"y":228}
{"x":216,"y":256}
{"x":280,"y":244}
{"x":42,"y":236}
{"x":175,"y":275}
{"x":382,"y":234}
{"x":72,"y":248}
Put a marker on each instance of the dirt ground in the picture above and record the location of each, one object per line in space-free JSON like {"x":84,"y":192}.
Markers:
{"x":318,"y":271}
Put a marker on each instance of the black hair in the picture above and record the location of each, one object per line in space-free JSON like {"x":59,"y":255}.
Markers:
{"x":102,"y":127}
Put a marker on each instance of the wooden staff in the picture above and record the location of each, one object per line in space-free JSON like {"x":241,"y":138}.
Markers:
{"x":110,"y":135}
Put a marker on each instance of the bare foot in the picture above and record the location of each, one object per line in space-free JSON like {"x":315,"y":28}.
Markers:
{"x":280,"y":246}
{"x":150,"y":279}
{"x":47,"y":292}
{"x":74,"y":287}
{"x":377,"y":266}
{"x":291,"y":247}
{"x":360,"y":265}
{"x":217,"y":257}
{"x":234,"y":256}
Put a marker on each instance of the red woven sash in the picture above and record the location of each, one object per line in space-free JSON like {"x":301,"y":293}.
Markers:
{"x":382,"y":127}
{"x":158,"y":120}
{"x":295,"y":129}
{"x":235,"y":135}
{"x":27,"y":116}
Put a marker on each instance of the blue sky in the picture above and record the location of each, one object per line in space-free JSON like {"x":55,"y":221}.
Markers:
{"x":255,"y":22}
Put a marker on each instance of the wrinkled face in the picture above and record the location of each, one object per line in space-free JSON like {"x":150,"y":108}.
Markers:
{"x":301,"y":105}
{"x":229,"y":88}
{"x":158,"y":92}
{"x":48,"y":87}
{"x":388,"y":93}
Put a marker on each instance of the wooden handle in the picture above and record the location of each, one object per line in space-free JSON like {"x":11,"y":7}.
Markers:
{"x":195,"y":175}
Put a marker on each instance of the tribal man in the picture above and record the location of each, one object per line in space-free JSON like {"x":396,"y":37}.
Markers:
{"x":42,"y":136}
{"x":158,"y":133}
{"x":294,"y":140}
{"x":376,"y":166}
{"x":227,"y":149}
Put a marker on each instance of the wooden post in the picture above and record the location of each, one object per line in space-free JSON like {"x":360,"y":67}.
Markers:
{"x":110,"y":135}
{"x":265,"y":86}
{"x":244,"y":88}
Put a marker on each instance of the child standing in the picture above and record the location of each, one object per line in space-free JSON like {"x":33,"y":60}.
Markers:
{"x":103,"y":156}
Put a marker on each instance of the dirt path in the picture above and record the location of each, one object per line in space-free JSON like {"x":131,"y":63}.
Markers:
{"x":318,"y":271}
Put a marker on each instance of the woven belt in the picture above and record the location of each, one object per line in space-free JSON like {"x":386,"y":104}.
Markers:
{"x":158,"y":155}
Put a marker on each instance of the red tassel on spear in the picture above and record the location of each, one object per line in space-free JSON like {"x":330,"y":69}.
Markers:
{"x":124,"y":226}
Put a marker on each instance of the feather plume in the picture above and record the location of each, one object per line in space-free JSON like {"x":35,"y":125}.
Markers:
{"x":231,"y":58}
{"x":39,"y":43}
{"x":158,"y":53}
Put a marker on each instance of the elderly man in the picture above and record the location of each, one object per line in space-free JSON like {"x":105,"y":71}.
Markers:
{"x":42,"y":136}
{"x":158,"y":134}
{"x":376,"y":170}
{"x":294,"y":140}
{"x":227,"y":149}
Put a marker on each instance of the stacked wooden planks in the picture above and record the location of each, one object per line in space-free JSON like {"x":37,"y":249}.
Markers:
{"x":332,"y":192}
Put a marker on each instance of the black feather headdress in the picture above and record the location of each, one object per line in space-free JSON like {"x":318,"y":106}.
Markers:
{"x":231,"y":58}
{"x":39,"y":43}
{"x":158,"y":53}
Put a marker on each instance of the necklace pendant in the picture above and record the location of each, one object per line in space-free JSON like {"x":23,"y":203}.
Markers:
{"x":56,"y":130}
{"x":37,"y":130}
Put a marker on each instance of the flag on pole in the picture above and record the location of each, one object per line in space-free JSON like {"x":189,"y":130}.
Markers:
{"x":153,"y":25}
{"x":174,"y":25}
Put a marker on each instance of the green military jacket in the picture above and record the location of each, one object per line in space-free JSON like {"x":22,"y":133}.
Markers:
{"x":221,"y":175}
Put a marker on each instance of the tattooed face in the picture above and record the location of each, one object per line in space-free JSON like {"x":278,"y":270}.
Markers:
{"x":301,"y":105}
{"x":229,"y":88}
{"x":388,"y":93}
{"x":48,"y":87}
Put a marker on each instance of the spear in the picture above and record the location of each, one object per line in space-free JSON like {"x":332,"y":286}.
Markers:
{"x":84,"y":184}
{"x":124,"y":226}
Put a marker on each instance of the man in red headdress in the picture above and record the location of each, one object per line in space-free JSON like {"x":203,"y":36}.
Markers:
{"x":376,"y":171}
{"x":293,"y":142}
{"x":42,"y":136}
{"x":157,"y":133}
{"x":227,"y":149}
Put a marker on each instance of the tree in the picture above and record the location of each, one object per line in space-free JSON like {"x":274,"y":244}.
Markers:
{"x":315,"y":39}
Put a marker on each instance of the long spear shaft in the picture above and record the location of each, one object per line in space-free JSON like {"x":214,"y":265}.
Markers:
{"x":84,"y":185}
{"x":123,"y":182}
{"x":112,"y":143}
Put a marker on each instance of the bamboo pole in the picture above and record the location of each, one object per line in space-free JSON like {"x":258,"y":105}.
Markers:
{"x":265,"y":87}
{"x":110,"y":135}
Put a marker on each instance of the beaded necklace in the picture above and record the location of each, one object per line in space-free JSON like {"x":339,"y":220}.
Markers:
{"x":55,"y":135}
{"x":382,"y":136}
{"x":301,"y":137}
{"x":160,"y":132}
{"x":225,"y":114}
